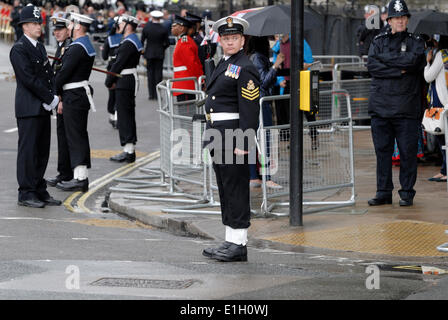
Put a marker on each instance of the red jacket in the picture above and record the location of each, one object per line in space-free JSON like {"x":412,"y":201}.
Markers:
{"x":186,"y":63}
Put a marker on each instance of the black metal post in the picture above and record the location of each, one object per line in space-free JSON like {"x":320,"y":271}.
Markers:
{"x":296,"y":136}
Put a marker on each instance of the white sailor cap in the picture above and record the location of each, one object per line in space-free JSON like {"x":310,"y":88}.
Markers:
{"x":81,"y":19}
{"x":128,"y":19}
{"x":156,"y":14}
{"x":230,"y":25}
{"x":59,"y":20}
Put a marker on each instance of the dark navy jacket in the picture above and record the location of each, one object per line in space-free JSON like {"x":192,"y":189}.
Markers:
{"x":394,"y":94}
{"x":128,"y":57}
{"x":35,"y":79}
{"x":77,"y":63}
{"x":234,"y":87}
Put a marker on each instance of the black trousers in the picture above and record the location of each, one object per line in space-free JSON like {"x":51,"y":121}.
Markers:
{"x":75,"y":122}
{"x":155,"y":75}
{"x":384,"y":131}
{"x":125,"y":106}
{"x":64,"y":165}
{"x":32,"y":156}
{"x":111,"y":102}
{"x":234,"y":194}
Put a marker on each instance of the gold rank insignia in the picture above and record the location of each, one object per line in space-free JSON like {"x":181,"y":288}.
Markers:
{"x":250,"y":92}
{"x":229,"y":21}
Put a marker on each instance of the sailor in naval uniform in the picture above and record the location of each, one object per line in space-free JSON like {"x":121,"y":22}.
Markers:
{"x":72,"y":84}
{"x":232,"y":110}
{"x":126,"y":87}
{"x":62,"y":35}
{"x":109,"y":54}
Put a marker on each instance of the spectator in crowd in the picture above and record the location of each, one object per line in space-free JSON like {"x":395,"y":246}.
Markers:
{"x":167,"y":20}
{"x":258,"y":49}
{"x":15,"y":18}
{"x":435,"y":70}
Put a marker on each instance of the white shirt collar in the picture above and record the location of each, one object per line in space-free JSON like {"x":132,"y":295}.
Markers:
{"x":34,"y":42}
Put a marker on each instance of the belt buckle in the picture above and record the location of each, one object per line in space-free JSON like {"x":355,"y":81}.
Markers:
{"x":208,"y":117}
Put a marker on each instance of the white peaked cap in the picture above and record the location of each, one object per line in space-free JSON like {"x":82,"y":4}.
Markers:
{"x":156,"y":14}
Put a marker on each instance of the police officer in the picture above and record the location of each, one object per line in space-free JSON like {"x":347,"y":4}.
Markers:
{"x":128,"y":57}
{"x":232,"y":108}
{"x":35,"y":98}
{"x":186,"y":61}
{"x":62,"y":35}
{"x":73,"y":86}
{"x":396,"y":62}
{"x":109,"y":53}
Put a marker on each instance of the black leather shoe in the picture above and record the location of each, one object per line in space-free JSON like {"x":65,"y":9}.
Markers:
{"x":406,"y":203}
{"x":233,"y":253}
{"x":124,"y":157}
{"x":208,"y":252}
{"x":32,"y":203}
{"x":52,"y":182}
{"x":50,"y":201}
{"x":74,"y":185}
{"x":379,"y":201}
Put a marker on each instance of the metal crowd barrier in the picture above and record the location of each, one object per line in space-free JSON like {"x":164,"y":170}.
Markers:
{"x":328,"y":161}
{"x":182,"y":171}
{"x":329,"y":61}
{"x":359,"y":89}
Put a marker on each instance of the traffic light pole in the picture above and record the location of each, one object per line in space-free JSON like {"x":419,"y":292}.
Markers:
{"x":296,"y":123}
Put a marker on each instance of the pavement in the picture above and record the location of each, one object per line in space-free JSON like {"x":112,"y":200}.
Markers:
{"x":384,"y":232}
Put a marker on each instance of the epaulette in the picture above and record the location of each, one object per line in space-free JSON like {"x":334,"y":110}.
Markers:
{"x":184,"y":38}
{"x":382,"y":35}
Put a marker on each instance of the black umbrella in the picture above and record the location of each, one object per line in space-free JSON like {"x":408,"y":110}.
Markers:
{"x":429,"y":22}
{"x":276,"y":19}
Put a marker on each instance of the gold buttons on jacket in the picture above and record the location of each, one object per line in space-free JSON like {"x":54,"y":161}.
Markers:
{"x":211,"y":109}
{"x":213,"y":98}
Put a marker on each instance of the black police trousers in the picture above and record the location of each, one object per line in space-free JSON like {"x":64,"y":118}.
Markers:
{"x":32,"y":156}
{"x":234,"y":193}
{"x":384,"y":133}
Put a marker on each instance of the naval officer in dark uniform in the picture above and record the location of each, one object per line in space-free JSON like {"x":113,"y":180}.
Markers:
{"x":35,"y":99}
{"x":396,"y":62}
{"x":126,"y":87}
{"x":72,"y":84}
{"x":109,"y":54}
{"x":62,"y":35}
{"x":232,"y":108}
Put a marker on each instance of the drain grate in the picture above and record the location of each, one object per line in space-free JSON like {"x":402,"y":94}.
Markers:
{"x":144,"y":283}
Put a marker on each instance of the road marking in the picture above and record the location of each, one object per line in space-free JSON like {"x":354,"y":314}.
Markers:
{"x":101,"y":182}
{"x":10,"y":130}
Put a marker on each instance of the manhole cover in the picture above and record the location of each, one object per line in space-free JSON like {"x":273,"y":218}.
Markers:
{"x":144,"y":283}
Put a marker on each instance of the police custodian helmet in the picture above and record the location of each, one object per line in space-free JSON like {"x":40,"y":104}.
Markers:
{"x":30,"y":14}
{"x":397,"y":8}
